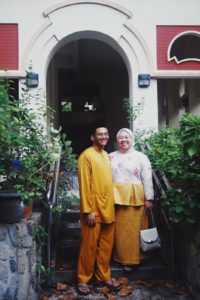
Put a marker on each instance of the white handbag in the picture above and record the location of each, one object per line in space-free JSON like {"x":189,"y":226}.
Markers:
{"x":149,"y":238}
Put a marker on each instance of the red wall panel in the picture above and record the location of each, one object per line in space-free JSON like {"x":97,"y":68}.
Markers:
{"x":9,"y":46}
{"x":165,"y":35}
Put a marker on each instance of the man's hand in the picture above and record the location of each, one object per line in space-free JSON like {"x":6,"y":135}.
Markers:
{"x":148,"y":203}
{"x":91,"y":219}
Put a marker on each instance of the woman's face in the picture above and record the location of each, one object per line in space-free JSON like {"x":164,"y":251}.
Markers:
{"x":124,"y":141}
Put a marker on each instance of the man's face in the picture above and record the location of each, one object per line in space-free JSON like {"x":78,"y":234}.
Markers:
{"x":101,"y":137}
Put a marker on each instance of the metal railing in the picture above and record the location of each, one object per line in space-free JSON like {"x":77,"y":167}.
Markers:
{"x":51,"y":200}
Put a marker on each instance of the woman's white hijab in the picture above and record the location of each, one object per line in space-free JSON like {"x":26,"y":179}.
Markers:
{"x":128,"y":131}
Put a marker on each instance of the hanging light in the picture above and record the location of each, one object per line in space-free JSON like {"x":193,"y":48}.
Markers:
{"x":144,"y":80}
{"x":32,"y":80}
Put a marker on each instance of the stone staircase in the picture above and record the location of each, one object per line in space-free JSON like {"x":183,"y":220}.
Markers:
{"x":66,"y":254}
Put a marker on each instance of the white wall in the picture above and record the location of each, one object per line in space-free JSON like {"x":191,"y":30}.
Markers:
{"x":194,"y":96}
{"x":146,"y":15}
{"x":130,"y":23}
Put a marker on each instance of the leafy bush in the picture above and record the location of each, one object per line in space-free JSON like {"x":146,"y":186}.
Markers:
{"x":176,"y":152}
{"x":29,"y":143}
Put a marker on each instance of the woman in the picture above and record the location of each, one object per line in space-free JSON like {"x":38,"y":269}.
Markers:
{"x":133,"y":192}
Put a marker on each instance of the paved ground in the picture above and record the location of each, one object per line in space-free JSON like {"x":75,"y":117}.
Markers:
{"x":136,"y":290}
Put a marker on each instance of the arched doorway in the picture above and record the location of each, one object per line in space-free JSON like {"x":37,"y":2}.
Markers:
{"x":71,"y":21}
{"x":90,"y":81}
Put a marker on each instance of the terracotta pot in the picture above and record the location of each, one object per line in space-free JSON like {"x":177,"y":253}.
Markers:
{"x":28,"y":209}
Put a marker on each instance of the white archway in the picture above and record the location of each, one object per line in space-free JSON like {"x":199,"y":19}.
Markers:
{"x":99,"y":19}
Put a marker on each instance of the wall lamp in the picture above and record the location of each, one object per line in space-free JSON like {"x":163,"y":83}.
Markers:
{"x":144,"y":80}
{"x":32,"y":80}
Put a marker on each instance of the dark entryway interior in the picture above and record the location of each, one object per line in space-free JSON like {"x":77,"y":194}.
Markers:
{"x":175,"y":97}
{"x":91,"y":83}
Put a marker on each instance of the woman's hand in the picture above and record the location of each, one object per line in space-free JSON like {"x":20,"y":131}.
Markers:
{"x":148,"y":203}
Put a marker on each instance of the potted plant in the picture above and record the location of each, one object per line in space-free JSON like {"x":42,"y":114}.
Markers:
{"x":28,"y":148}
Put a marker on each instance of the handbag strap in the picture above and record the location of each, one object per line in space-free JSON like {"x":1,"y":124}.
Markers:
{"x":152,"y":217}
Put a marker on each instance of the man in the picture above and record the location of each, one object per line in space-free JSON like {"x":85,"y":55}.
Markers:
{"x":96,"y":213}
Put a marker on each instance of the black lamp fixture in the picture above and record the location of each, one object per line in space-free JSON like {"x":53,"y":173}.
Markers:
{"x":32,"y":80}
{"x":144,"y":80}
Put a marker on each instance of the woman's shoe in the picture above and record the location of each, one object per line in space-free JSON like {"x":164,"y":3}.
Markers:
{"x":128,"y":268}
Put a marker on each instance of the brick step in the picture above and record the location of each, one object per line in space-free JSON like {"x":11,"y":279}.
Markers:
{"x":149,"y":269}
{"x":69,"y":235}
{"x":70,"y":216}
{"x":69,"y":227}
{"x":70,"y":243}
{"x":72,"y":225}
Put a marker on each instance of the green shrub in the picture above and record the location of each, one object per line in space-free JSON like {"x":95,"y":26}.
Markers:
{"x":176,"y":152}
{"x":29,"y":144}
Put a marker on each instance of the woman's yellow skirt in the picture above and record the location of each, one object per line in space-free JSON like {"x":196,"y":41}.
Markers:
{"x":128,"y":222}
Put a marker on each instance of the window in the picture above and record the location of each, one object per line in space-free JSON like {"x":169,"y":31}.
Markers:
{"x":185,"y":47}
